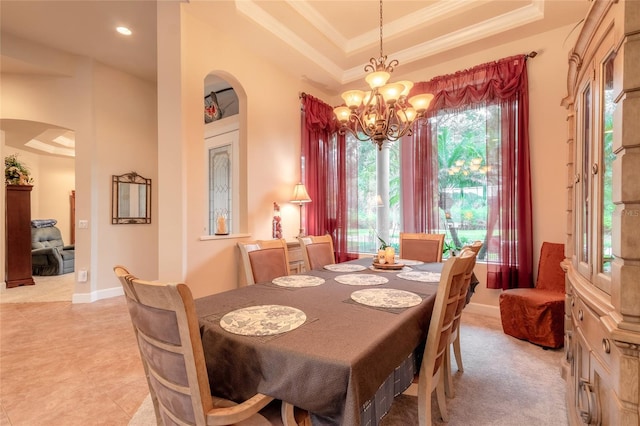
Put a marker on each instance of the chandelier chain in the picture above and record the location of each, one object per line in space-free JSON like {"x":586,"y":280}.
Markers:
{"x":381,"y":54}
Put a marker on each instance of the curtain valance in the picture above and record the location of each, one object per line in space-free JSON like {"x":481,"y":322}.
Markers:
{"x":487,"y":83}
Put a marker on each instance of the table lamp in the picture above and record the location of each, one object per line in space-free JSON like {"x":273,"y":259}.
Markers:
{"x":300,"y":196}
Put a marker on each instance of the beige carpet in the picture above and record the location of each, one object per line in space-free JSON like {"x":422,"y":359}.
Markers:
{"x":58,"y":288}
{"x":505,"y":382}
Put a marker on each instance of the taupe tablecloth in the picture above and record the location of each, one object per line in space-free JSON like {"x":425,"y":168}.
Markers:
{"x":332,"y":364}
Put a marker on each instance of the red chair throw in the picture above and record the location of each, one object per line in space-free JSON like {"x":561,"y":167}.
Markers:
{"x":537,"y":314}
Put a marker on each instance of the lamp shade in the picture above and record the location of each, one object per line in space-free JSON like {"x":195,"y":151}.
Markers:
{"x":342,"y":113}
{"x":300,"y":194}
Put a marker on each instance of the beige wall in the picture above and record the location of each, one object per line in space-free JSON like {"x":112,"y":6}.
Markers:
{"x":125,"y":140}
{"x":114,"y":118}
{"x":270,"y":143}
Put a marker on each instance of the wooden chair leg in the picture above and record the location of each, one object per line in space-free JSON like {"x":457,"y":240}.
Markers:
{"x":286,"y":413}
{"x":289,"y":418}
{"x":424,"y":402}
{"x":448,"y":377}
{"x":440,"y":397}
{"x":457,"y":352}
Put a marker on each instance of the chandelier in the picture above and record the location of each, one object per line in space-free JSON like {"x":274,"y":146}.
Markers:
{"x":384,"y":113}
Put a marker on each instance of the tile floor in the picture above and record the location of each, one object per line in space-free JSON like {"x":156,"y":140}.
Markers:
{"x":64,"y":364}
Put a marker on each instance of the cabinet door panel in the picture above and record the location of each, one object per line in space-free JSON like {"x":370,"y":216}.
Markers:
{"x":583,"y":395}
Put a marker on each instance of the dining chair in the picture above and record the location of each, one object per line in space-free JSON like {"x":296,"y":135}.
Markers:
{"x":537,"y":314}
{"x":430,"y":374}
{"x":166,"y":327}
{"x":317,"y":251}
{"x":264,"y":260}
{"x":454,"y":338}
{"x":476,"y":246}
{"x":421,"y":246}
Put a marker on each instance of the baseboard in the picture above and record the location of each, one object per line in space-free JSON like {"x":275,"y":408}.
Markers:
{"x":487,"y":310}
{"x":97,"y":295}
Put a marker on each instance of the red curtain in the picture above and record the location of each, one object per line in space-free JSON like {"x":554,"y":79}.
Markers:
{"x":332,"y":184}
{"x":509,"y":226}
{"x":419,"y":181}
{"x":327,"y":178}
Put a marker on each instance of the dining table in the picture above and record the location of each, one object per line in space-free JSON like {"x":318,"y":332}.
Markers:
{"x":339,"y":342}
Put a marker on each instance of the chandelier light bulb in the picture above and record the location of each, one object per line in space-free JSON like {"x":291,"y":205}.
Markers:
{"x":342,"y":114}
{"x":353,"y":98}
{"x":421,"y":102}
{"x":407,"y":115}
{"x":377,"y":79}
{"x":391,"y":92}
{"x":408,"y":85}
{"x":371,"y":119}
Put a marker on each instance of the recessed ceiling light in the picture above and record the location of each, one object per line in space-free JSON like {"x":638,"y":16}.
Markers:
{"x":124,"y":31}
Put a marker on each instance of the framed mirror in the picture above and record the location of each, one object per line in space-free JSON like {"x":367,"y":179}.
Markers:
{"x":130,"y":199}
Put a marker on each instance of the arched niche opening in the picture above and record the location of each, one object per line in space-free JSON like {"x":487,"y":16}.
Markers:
{"x":225,"y":144}
{"x":48,"y":152}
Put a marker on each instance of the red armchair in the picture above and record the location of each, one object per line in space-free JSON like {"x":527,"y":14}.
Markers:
{"x":537,"y":314}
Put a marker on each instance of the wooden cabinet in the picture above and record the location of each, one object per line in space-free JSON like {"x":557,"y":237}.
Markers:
{"x":602,"y":351}
{"x":18,"y":223}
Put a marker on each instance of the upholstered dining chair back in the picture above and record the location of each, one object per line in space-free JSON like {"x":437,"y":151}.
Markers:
{"x":537,"y":314}
{"x":454,"y":338}
{"x":317,"y":251}
{"x":476,"y":246}
{"x":166,"y":328}
{"x":421,"y":246}
{"x":264,"y":260}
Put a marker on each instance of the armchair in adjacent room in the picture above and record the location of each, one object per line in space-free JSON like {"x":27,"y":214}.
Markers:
{"x":49,"y":255}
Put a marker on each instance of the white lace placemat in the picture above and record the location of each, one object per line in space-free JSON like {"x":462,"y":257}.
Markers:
{"x":262,"y":320}
{"x":361,"y":279}
{"x":298,"y":281}
{"x":386,"y":298}
{"x":345,"y":267}
{"x":423,"y":276}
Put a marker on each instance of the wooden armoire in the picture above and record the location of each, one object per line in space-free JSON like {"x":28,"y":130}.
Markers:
{"x":18,"y":227}
{"x":602,"y":323}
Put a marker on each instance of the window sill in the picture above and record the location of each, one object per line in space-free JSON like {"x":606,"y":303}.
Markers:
{"x":223,"y":237}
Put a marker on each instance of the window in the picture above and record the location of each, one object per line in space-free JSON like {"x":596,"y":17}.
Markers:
{"x":379,"y":201}
{"x":606,"y":206}
{"x":222,"y":180}
{"x":424,"y":187}
{"x":463,"y":190}
{"x":463,"y":139}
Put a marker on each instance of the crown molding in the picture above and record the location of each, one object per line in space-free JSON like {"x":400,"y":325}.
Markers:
{"x":532,"y":12}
